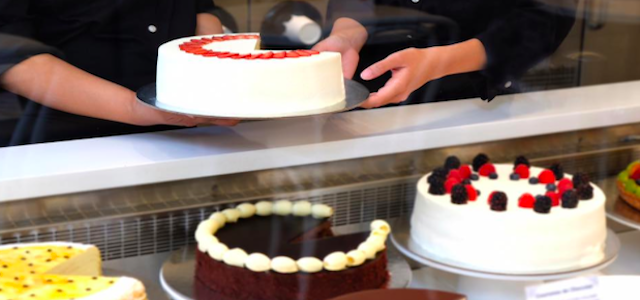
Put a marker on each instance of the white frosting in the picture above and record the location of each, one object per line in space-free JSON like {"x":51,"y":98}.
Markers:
{"x":517,"y":240}
{"x":310,"y":264}
{"x":282,"y":207}
{"x":219,"y":218}
{"x":355,"y":258}
{"x":258,"y":262}
{"x":231,"y":214}
{"x":253,"y":88}
{"x":235,"y":257}
{"x":217,"y":251}
{"x":320,"y":211}
{"x":302,"y":208}
{"x":284,"y":265}
{"x":369,"y":249}
{"x":247,"y":210}
{"x":336,"y":261}
{"x":264,"y":208}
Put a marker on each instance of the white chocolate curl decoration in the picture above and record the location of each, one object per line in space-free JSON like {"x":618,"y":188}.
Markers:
{"x":336,"y":261}
{"x":284,"y":265}
{"x":247,"y":210}
{"x":217,"y":251}
{"x":381,"y":226}
{"x":232,"y":215}
{"x":355,"y":258}
{"x":368,"y":249}
{"x":219,"y":218}
{"x":282,"y":207}
{"x":310,"y":264}
{"x":206,"y":243}
{"x":378,"y":241}
{"x":264,"y":208}
{"x":258,"y":262}
{"x":235,"y":257}
{"x":302,"y":208}
{"x":320,"y":211}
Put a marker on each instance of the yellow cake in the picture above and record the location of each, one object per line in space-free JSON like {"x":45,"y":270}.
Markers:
{"x":60,"y":271}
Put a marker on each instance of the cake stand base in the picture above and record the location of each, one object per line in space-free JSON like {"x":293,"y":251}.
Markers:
{"x":356,"y":94}
{"x":178,"y":272}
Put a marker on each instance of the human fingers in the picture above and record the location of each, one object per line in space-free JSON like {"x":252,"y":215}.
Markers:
{"x":376,"y":70}
{"x":395,"y":90}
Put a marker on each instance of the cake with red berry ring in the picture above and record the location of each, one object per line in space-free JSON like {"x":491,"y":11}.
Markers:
{"x":228,"y":75}
{"x":509,"y":218}
{"x":629,"y":184}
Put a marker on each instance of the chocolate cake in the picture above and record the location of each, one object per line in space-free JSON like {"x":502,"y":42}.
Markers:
{"x":404,"y":294}
{"x":292,"y":235}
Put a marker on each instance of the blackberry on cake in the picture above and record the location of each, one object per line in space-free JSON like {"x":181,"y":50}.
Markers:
{"x":437,"y":187}
{"x":479,"y":161}
{"x":498,"y":201}
{"x":521,"y":160}
{"x":585,"y":192}
{"x":542,"y":205}
{"x":459,"y":194}
{"x":570,"y":199}
{"x":557,"y":170}
{"x":580,"y":178}
{"x":452,"y":162}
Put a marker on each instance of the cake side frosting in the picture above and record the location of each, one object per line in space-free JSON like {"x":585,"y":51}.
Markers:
{"x":517,"y":240}
{"x":253,"y":87}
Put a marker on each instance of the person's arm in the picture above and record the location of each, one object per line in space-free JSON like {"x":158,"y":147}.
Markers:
{"x":412,"y":68}
{"x":347,"y":37}
{"x":52,"y":82}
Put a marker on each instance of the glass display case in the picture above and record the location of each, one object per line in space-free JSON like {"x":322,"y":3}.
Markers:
{"x":423,"y":185}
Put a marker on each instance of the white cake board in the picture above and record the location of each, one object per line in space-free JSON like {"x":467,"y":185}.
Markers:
{"x":356,"y":94}
{"x":480,"y":285}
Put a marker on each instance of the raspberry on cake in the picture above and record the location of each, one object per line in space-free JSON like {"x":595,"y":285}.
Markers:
{"x":513,"y":227}
{"x":286,"y":244}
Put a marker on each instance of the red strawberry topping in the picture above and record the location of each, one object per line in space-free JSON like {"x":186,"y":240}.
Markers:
{"x":523,"y":171}
{"x":292,"y":54}
{"x":487,"y":169}
{"x":303,"y":53}
{"x":279,"y":55}
{"x":555,"y":198}
{"x":471,"y":192}
{"x":526,"y":201}
{"x":448,"y":185}
{"x":455,"y":174}
{"x":546,"y":177}
{"x":266,"y":55}
{"x":563,"y":185}
{"x":465,"y":171}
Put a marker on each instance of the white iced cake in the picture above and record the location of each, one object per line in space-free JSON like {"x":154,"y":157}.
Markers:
{"x":509,"y":218}
{"x":60,"y":271}
{"x":227,"y":75}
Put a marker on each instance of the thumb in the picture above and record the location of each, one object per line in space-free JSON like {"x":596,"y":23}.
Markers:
{"x":378,"y":69}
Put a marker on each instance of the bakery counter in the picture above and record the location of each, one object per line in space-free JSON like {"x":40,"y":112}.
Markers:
{"x":113,"y":162}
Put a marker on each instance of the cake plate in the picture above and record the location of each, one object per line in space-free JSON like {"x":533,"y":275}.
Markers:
{"x":618,"y":210}
{"x":178,"y":272}
{"x":356,"y":94}
{"x":401,"y":238}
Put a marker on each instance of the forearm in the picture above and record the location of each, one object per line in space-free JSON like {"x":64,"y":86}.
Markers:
{"x":208,"y":24}
{"x":464,"y":57}
{"x":352,"y":31}
{"x":54,"y":83}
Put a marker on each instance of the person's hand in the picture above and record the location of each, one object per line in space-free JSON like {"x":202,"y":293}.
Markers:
{"x":344,"y":46}
{"x":147,"y":116}
{"x":410,"y":69}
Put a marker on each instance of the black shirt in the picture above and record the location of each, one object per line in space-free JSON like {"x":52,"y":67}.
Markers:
{"x":516,"y":34}
{"x":116,"y":40}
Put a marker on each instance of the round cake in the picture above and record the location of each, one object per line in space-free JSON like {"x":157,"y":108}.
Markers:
{"x":285,"y":251}
{"x":629,"y":184}
{"x":60,"y":271}
{"x":226,"y":75}
{"x":509,"y":218}
{"x":403,"y":294}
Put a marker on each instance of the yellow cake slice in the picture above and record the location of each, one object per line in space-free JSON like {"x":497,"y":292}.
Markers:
{"x":60,"y":271}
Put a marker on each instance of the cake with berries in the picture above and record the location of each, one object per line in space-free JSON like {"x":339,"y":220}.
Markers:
{"x":629,"y":184}
{"x":60,"y":271}
{"x":509,"y":218}
{"x":284,"y":251}
{"x":227,"y":75}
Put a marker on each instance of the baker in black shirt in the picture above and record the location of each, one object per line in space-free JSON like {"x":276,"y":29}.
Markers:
{"x":87,"y":58}
{"x":497,"y":42}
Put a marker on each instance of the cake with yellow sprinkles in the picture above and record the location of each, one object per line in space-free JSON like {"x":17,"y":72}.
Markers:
{"x":60,"y":271}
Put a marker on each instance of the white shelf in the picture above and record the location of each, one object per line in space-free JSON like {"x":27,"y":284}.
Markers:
{"x":111,"y":162}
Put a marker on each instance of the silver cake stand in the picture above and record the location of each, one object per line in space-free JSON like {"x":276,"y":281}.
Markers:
{"x":178,"y":272}
{"x":618,"y":210}
{"x":401,"y":239}
{"x":356,"y":94}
